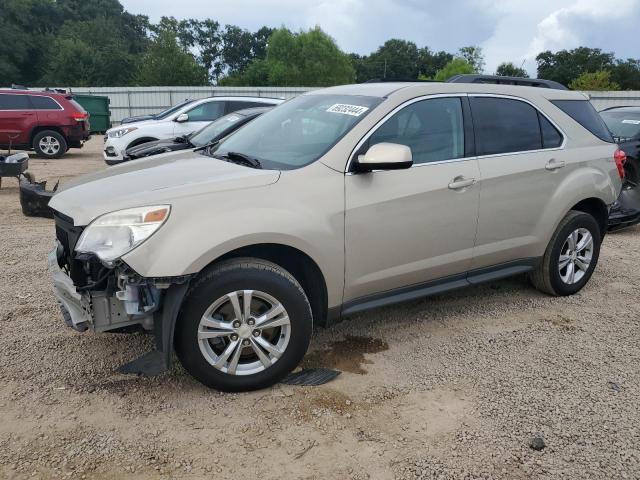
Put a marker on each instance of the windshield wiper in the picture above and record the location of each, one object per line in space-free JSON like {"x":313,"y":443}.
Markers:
{"x":242,"y":158}
{"x":207,"y":147}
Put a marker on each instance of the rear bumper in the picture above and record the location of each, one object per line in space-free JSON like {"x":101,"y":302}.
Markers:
{"x":625,"y":212}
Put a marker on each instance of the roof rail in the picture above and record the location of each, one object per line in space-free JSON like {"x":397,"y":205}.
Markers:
{"x":396,"y":80}
{"x":18,"y":87}
{"x":500,"y":80}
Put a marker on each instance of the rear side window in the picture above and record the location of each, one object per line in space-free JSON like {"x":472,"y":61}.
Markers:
{"x":433,"y":129}
{"x":551,"y":137}
{"x":504,"y":125}
{"x":583,"y":112}
{"x":14,"y":102}
{"x":44,"y":103}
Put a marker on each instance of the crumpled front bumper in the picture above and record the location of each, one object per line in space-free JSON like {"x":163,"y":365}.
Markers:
{"x":75,"y":307}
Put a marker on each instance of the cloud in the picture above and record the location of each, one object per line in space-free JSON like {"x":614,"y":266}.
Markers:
{"x":508,"y":30}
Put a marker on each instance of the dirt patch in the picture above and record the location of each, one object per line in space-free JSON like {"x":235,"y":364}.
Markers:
{"x":346,"y":355}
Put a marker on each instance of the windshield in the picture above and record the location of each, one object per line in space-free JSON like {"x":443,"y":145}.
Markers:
{"x":169,"y":111}
{"x":215,"y":129}
{"x":623,"y":125}
{"x":299,"y":131}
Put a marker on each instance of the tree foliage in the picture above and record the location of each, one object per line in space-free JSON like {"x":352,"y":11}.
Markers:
{"x":166,"y":63}
{"x":474,"y":57}
{"x":98,"y":43}
{"x":600,"y":80}
{"x":457,"y":66}
{"x":508,"y":69}
{"x":309,"y":58}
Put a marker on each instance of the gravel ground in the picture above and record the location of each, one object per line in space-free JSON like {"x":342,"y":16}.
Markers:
{"x":455,"y":386}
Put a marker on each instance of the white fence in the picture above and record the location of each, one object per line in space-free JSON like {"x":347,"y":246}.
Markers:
{"x":128,"y":101}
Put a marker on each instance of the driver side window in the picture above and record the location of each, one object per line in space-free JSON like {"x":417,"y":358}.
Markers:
{"x":206,"y":112}
{"x":433,"y":129}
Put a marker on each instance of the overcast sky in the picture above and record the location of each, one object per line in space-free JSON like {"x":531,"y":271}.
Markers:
{"x":507,"y":30}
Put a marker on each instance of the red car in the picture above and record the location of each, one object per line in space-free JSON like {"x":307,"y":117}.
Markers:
{"x":48,"y":122}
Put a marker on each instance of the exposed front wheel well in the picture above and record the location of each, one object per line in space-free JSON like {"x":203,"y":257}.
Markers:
{"x":597,"y":209}
{"x":298,"y":264}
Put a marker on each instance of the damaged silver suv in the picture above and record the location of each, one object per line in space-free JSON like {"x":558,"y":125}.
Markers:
{"x":337,"y":201}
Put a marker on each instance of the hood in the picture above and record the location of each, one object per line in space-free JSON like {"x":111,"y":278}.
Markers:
{"x":148,"y":181}
{"x":137,"y":118}
{"x":156,"y":147}
{"x":138,"y":124}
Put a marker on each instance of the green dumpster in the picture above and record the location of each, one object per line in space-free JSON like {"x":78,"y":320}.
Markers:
{"x":98,"y":108}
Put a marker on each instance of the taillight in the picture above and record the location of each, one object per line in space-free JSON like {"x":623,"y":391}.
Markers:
{"x":620,"y":157}
{"x":79,"y":116}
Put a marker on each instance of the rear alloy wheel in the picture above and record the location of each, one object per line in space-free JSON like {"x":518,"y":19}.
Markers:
{"x":244,"y":325}
{"x":571,"y":256}
{"x":49,"y":144}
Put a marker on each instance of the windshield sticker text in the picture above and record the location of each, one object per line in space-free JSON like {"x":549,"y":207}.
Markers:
{"x":345,"y":109}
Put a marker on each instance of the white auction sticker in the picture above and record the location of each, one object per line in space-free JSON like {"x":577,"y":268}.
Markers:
{"x":345,"y":109}
{"x":632,"y":122}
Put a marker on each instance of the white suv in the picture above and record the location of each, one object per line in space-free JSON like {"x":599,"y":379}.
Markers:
{"x":191,"y":117}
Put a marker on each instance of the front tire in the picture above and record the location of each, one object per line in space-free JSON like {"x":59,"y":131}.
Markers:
{"x":49,"y":144}
{"x":571,"y":256}
{"x":244,"y":325}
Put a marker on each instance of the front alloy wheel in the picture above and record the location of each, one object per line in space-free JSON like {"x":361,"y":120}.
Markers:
{"x":245,"y":324}
{"x":244,"y":332}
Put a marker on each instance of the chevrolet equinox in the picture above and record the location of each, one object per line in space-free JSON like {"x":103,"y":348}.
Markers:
{"x":334,"y":202}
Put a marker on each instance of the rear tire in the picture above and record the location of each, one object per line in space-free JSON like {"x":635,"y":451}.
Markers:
{"x":570,"y":257}
{"x":49,"y":144}
{"x":230,"y":346}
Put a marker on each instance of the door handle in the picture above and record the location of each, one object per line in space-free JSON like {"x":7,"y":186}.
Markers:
{"x":460,"y":182}
{"x":554,"y":164}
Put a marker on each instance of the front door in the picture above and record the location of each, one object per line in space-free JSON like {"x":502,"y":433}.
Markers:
{"x":199,"y":117}
{"x":407,"y":227}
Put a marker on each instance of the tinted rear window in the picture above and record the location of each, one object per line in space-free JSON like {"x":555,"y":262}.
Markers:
{"x":14,"y":102}
{"x":583,"y":112}
{"x":44,"y":103}
{"x":551,"y":137}
{"x":504,"y":125}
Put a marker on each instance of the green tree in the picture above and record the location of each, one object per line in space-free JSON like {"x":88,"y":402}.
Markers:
{"x":309,"y":58}
{"x":565,"y":66}
{"x":457,"y":66}
{"x":474,"y":57}
{"x":86,"y":53}
{"x":600,"y":80}
{"x":626,"y":73}
{"x":167,"y":63}
{"x":508,"y":69}
{"x":429,"y":63}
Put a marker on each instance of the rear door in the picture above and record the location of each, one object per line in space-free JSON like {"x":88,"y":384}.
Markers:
{"x":17,"y":118}
{"x":522,"y":164}
{"x":407,"y":227}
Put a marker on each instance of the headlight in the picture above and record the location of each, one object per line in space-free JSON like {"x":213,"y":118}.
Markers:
{"x":114,"y":234}
{"x":120,"y":132}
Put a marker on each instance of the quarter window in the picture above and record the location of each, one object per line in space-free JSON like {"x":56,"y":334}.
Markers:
{"x":14,"y":102}
{"x":44,"y":103}
{"x":504,"y":125}
{"x":433,"y":129}
{"x":551,"y":137}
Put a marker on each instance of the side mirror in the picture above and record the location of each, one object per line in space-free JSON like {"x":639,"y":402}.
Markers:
{"x":385,"y":156}
{"x":183,"y":117}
